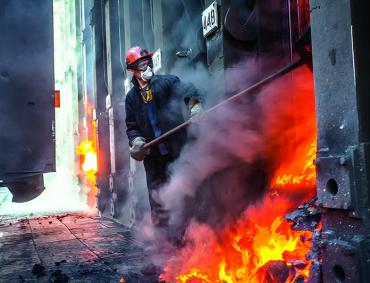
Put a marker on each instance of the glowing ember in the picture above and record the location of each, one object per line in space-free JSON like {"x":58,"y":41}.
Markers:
{"x":89,"y":165}
{"x":193,"y":275}
{"x":88,"y":152}
{"x":256,"y":246}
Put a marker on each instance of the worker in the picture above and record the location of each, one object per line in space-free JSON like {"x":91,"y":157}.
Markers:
{"x":154,"y":105}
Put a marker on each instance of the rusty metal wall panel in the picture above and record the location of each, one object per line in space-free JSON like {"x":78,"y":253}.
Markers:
{"x":26,"y":88}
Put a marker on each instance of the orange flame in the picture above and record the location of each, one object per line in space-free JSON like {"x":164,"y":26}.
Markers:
{"x":90,"y":161}
{"x":261,"y":246}
{"x":192,"y":275}
{"x":89,"y":165}
{"x":301,"y":171}
{"x":243,"y":249}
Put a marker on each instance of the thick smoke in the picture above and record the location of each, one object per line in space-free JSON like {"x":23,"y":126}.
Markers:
{"x":222,"y":180}
{"x":236,"y":149}
{"x":223,"y":175}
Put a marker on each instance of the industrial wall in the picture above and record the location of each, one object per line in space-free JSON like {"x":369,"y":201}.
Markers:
{"x":235,"y":37}
{"x":238,"y":43}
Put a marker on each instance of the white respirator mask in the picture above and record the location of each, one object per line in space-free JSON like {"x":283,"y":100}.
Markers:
{"x":147,"y":74}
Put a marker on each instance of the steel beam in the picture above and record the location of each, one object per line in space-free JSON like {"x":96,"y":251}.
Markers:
{"x":341,"y":62}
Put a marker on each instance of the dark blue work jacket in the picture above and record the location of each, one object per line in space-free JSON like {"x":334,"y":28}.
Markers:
{"x":170,"y":96}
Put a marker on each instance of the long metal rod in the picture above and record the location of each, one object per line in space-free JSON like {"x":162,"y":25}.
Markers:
{"x":270,"y":78}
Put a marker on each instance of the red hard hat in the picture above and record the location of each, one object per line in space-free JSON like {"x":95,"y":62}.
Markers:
{"x":136,"y":54}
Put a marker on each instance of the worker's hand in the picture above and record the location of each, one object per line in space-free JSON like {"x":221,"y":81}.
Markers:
{"x":196,"y":109}
{"x":137,"y":151}
{"x":196,"y":114}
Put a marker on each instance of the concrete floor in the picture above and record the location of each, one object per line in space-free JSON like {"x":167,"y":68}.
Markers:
{"x":70,"y":248}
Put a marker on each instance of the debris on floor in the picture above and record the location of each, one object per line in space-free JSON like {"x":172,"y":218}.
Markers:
{"x":71,"y":248}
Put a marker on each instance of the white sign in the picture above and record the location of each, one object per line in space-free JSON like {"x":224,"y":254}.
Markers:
{"x":157,"y":61}
{"x":210,"y":19}
{"x":127,"y":85}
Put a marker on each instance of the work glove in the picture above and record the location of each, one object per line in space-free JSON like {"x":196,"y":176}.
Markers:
{"x":137,"y":151}
{"x":196,"y":109}
{"x":196,"y":114}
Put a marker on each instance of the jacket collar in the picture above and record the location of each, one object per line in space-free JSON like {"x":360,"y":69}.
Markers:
{"x":136,"y":84}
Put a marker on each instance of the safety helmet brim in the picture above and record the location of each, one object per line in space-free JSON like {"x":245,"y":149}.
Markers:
{"x":136,"y":55}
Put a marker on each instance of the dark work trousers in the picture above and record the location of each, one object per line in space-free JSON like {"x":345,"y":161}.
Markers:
{"x":156,"y":176}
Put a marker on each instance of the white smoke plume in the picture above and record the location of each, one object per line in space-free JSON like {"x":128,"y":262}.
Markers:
{"x":237,"y":148}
